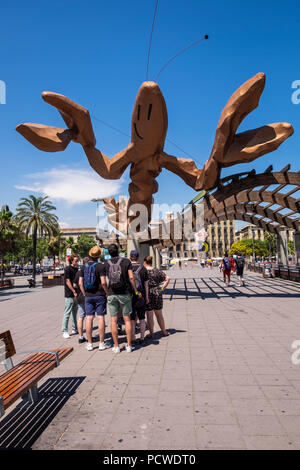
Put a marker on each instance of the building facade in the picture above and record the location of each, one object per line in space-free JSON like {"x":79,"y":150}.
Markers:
{"x":257,"y":233}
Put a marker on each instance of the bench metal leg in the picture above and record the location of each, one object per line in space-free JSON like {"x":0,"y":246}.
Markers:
{"x":1,"y":407}
{"x":32,"y":395}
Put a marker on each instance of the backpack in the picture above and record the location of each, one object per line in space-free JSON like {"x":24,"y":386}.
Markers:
{"x":137,"y":277}
{"x":240,"y":262}
{"x":226,"y":264}
{"x":114,"y":275}
{"x":89,"y":276}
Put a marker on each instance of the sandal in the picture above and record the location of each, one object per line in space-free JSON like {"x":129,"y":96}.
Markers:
{"x":149,"y":336}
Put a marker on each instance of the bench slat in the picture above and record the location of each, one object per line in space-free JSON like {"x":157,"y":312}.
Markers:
{"x":14,"y":372}
{"x":17,"y":384}
{"x":21,"y":373}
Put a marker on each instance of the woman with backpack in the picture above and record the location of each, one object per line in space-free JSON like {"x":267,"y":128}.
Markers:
{"x":156,"y":279}
{"x":226,"y":268}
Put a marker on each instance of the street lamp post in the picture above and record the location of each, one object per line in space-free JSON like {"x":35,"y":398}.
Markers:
{"x":253,"y":252}
{"x":98,"y":217}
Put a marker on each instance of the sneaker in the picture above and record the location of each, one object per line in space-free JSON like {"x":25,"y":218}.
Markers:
{"x":89,"y":347}
{"x":103,"y":346}
{"x":66,"y":335}
{"x":129,"y":349}
{"x":115,"y":350}
{"x":74,"y":332}
{"x":81,"y":339}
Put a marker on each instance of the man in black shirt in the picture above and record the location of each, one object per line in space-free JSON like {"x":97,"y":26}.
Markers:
{"x":121,"y":283}
{"x":92,"y":283}
{"x":81,"y":303}
{"x":139,"y":301}
{"x":70,"y":297}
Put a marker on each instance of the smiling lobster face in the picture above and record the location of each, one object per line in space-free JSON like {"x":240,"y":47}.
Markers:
{"x":149,"y":120}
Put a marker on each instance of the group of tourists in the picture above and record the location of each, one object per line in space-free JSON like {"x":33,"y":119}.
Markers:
{"x":124,"y":287}
{"x":231,"y":264}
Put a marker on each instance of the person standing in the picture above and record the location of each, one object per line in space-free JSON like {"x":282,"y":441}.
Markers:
{"x":81,"y":303}
{"x":240,"y":263}
{"x":139,"y":301}
{"x":70,"y":296}
{"x":156,"y":278}
{"x":121,"y":283}
{"x":92,"y":283}
{"x":226,"y":269}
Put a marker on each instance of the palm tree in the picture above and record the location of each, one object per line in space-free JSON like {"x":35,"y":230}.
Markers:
{"x":70,"y":243}
{"x":34,"y":216}
{"x":8,"y":232}
{"x":57,"y":244}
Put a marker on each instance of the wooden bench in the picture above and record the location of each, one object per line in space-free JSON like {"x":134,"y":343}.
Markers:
{"x":21,"y":380}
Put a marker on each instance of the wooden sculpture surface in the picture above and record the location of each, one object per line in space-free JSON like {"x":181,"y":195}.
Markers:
{"x":145,"y":153}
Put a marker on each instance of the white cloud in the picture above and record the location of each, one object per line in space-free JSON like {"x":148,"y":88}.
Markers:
{"x":63,"y":224}
{"x":71,"y":186}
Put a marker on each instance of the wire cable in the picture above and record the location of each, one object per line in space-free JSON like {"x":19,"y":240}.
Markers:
{"x":179,"y":53}
{"x":150,"y":42}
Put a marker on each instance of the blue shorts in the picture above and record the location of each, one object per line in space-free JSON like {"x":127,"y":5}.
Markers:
{"x":95,"y":304}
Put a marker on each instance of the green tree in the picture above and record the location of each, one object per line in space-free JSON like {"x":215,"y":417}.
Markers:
{"x":271,"y":241}
{"x":246,"y":247}
{"x":291,"y":248}
{"x":57,"y":245}
{"x":70,"y":243}
{"x":84,"y":243}
{"x":35,"y":217}
{"x":8,"y":236}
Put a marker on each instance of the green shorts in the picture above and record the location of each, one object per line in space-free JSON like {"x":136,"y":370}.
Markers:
{"x":119,"y":303}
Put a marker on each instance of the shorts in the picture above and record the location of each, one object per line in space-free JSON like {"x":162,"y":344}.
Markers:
{"x":136,"y":310}
{"x":95,"y":304}
{"x":119,"y":302}
{"x":81,"y":310}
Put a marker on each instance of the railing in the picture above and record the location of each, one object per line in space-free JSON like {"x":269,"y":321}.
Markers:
{"x":291,"y":273}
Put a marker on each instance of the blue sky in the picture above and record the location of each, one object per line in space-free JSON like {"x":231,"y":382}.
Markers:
{"x":95,"y":53}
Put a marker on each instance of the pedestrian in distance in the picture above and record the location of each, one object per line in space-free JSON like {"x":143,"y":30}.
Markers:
{"x":139,"y":301}
{"x":240,"y":263}
{"x":70,"y":297}
{"x":121,"y":284}
{"x":92,"y":283}
{"x":81,"y":304}
{"x":158,"y":281}
{"x":226,"y":269}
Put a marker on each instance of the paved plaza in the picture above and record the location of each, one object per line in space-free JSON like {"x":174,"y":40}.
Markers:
{"x":224,"y":378}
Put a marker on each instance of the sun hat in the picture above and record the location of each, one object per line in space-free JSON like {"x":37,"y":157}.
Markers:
{"x":95,"y":252}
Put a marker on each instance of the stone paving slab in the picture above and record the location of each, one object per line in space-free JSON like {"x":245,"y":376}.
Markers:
{"x":224,"y":379}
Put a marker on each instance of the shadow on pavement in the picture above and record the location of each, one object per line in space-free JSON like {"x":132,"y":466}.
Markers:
{"x":24,"y":425}
{"x":212,"y":287}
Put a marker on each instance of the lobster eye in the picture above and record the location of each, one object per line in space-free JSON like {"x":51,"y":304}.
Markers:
{"x":139,"y":109}
{"x":149,"y":111}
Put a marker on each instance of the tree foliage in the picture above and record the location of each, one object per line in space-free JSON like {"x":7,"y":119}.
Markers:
{"x":246,"y":247}
{"x":84,"y":243}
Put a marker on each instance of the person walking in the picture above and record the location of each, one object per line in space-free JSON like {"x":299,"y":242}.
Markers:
{"x":240,"y":263}
{"x":139,"y":301}
{"x":81,"y":303}
{"x":121,"y":284}
{"x":155,"y":305}
{"x":226,"y":269}
{"x":70,"y":297}
{"x":92,"y":283}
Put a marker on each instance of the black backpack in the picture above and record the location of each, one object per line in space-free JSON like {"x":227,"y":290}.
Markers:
{"x":240,"y":262}
{"x":136,"y":269}
{"x":115,"y":275}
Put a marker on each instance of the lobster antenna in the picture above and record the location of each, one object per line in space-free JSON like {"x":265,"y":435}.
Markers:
{"x":179,"y":53}
{"x":150,"y":42}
